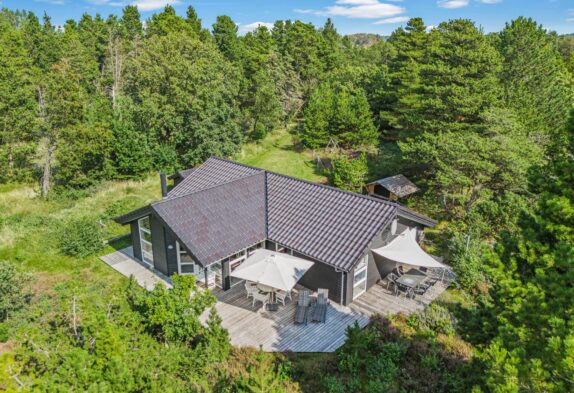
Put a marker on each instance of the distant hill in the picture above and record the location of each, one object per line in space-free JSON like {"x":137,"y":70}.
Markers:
{"x":365,"y":39}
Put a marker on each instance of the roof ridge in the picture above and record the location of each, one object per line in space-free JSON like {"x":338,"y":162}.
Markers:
{"x":204,"y":189}
{"x":296,"y":178}
{"x":236,"y":163}
{"x":352,"y":193}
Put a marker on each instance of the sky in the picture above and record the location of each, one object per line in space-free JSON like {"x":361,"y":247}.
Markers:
{"x":349,"y":16}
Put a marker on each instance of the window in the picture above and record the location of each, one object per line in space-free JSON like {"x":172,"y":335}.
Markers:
{"x":145,"y":240}
{"x":360,"y":277}
{"x":215,"y":272}
{"x":186,"y":265}
{"x":252,"y":249}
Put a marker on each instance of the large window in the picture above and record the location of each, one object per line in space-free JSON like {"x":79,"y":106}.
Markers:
{"x":360,"y":277}
{"x":186,"y":265}
{"x":145,"y":240}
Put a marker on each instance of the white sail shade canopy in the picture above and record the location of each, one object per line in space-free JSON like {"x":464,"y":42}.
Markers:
{"x":405,"y":249}
{"x":273,"y":269}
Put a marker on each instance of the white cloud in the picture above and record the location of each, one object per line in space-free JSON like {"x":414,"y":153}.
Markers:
{"x":150,"y":5}
{"x":358,"y":9}
{"x":253,"y":26}
{"x":143,"y":5}
{"x":396,"y":19}
{"x":451,"y":4}
{"x":56,"y":2}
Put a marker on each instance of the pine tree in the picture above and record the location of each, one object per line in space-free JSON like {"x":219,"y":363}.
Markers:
{"x":131,"y":23}
{"x":17,"y":106}
{"x":225,"y":34}
{"x":532,"y":291}
{"x":460,"y":79}
{"x":535,"y":80}
{"x":403,"y":95}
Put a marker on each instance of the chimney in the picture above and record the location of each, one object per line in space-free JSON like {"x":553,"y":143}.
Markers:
{"x":163,"y":182}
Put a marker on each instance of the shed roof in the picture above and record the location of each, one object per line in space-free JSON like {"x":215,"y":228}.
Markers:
{"x":398,"y":185}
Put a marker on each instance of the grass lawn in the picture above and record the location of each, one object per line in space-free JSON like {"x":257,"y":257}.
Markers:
{"x":30,"y":227}
{"x":279,"y":152}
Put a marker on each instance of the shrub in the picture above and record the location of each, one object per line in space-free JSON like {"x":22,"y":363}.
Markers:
{"x":172,"y":315}
{"x":436,"y":318}
{"x":333,"y":385}
{"x":80,"y":238}
{"x":13,"y":289}
{"x":349,"y":174}
{"x":4,"y":336}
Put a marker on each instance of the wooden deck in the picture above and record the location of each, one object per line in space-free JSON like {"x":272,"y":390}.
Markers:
{"x":378,"y":300}
{"x":276,"y":331}
{"x":250,"y":326}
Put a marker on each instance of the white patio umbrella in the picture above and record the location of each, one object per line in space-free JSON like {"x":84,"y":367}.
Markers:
{"x":273,"y":269}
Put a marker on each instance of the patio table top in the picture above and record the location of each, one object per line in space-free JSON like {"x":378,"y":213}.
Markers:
{"x":412,"y":278}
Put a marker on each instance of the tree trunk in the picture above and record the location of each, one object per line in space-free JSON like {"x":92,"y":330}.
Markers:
{"x":47,"y":171}
{"x":48,"y":155}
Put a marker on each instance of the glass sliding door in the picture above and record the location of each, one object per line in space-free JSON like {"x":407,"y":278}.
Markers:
{"x":360,"y":277}
{"x":145,"y":240}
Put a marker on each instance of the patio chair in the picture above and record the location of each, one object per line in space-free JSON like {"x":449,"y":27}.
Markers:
{"x":320,"y":310}
{"x":402,"y":289}
{"x":260,"y":297}
{"x":302,"y":306}
{"x":392,"y":279}
{"x":420,"y":290}
{"x":251,"y":288}
{"x":280,"y":296}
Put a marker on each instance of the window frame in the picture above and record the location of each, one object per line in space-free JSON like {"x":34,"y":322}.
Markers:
{"x":147,"y":256}
{"x":362,"y":266}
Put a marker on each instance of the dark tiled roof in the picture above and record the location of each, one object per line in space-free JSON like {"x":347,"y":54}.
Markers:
{"x":324,"y":223}
{"x":222,"y":207}
{"x":212,"y":172}
{"x":415,"y":216}
{"x":216,"y":222}
{"x":398,"y":185}
{"x":133,"y":215}
{"x":181,"y":174}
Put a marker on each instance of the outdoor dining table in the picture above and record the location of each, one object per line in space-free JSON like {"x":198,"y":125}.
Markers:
{"x":272,"y":305}
{"x":412,"y":278}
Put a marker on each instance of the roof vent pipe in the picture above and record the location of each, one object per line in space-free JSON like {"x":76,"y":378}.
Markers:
{"x":163,"y":182}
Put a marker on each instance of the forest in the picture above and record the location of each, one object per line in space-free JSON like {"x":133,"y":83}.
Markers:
{"x":483,"y":123}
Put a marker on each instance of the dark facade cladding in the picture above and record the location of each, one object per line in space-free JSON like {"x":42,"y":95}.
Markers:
{"x":221,"y":208}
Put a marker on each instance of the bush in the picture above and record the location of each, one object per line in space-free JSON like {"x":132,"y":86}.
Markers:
{"x":436,"y":318}
{"x":4,"y":336}
{"x":81,"y":238}
{"x":349,"y":174}
{"x":466,"y":261}
{"x":13,"y":291}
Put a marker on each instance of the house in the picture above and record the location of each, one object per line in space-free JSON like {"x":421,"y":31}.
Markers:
{"x":217,"y":214}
